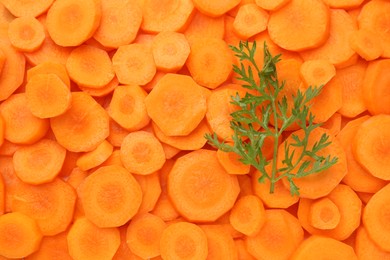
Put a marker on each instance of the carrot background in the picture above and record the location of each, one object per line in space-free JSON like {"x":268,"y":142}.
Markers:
{"x":104,"y":105}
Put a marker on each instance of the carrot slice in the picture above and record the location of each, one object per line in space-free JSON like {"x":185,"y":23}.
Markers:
{"x":344,"y":4}
{"x":151,"y":190}
{"x":365,"y":247}
{"x":176,"y":104}
{"x":243,"y":253}
{"x":52,"y":247}
{"x":367,"y":44}
{"x":102,"y":91}
{"x":40,"y":162}
{"x":11,"y":181}
{"x":87,"y":241}
{"x":250,"y":20}
{"x":200,"y":188}
{"x":21,"y":8}
{"x":50,"y":68}
{"x":183,"y":240}
{"x":230,"y":161}
{"x":203,"y":26}
{"x":19,"y":235}
{"x":71,"y":22}
{"x":26,"y":33}
{"x":82,"y":127}
{"x":134,"y":64}
{"x":127,"y":107}
{"x":215,"y":8}
{"x":280,"y":235}
{"x":95,"y":157}
{"x":311,"y":25}
{"x":271,"y":5}
{"x":210,"y":62}
{"x":170,"y":51}
{"x":317,"y":72}
{"x":143,"y":235}
{"x":50,"y":204}
{"x":219,"y":242}
{"x":166,"y":15}
{"x":119,"y":24}
{"x":316,"y":247}
{"x":21,"y":126}
{"x":324,"y":214}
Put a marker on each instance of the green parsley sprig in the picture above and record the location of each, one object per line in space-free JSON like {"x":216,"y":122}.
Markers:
{"x":247,"y":141}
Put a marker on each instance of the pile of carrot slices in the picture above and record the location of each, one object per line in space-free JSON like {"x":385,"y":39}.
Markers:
{"x":104,"y":105}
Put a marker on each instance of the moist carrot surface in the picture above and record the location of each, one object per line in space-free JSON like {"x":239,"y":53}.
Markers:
{"x":194,"y":129}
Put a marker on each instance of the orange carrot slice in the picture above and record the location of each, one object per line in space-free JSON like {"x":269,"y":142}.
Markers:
{"x":324,"y":214}
{"x":230,"y":161}
{"x":22,"y":8}
{"x":343,"y":4}
{"x":365,"y":247}
{"x":367,"y":44}
{"x":49,"y":68}
{"x":26,"y":33}
{"x":271,"y":5}
{"x":219,"y":242}
{"x":250,"y":20}
{"x":317,"y":72}
{"x":203,"y":26}
{"x":151,"y":191}
{"x":215,"y":8}
{"x":95,"y":157}
{"x":52,"y":247}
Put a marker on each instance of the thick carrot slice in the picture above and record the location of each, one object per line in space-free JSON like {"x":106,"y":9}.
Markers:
{"x":119,"y":24}
{"x":365,"y":247}
{"x":19,"y":235}
{"x":151,"y":190}
{"x":134,"y":64}
{"x":230,"y":161}
{"x":370,"y":146}
{"x":183,"y":240}
{"x":176,"y":104}
{"x":21,"y":126}
{"x":52,"y":247}
{"x":280,"y":235}
{"x":142,"y":153}
{"x":89,"y":242}
{"x":311,"y":25}
{"x":21,"y":8}
{"x":215,"y":8}
{"x":170,"y":51}
{"x":50,"y":68}
{"x":210,"y":62}
{"x":26,"y":33}
{"x":358,"y":178}
{"x":271,"y":5}
{"x":367,"y":44}
{"x":219,"y":242}
{"x":203,"y":26}
{"x":47,"y":96}
{"x":82,"y":127}
{"x":248,"y":215}
{"x":324,"y":214}
{"x":316,"y":247}
{"x":166,"y":15}
{"x":40,"y":162}
{"x":200,"y":188}
{"x":373,"y":17}
{"x":250,"y":20}
{"x":95,"y":157}
{"x":322,"y":183}
{"x":317,"y":72}
{"x":375,"y":92}
{"x":143,"y":235}
{"x":71,"y":22}
{"x":127,"y":107}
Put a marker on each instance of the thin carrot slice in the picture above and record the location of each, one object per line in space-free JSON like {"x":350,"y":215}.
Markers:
{"x":87,"y":241}
{"x":183,"y":240}
{"x":200,"y":188}
{"x":215,"y":8}
{"x":50,"y":204}
{"x":21,"y":8}
{"x":250,"y":20}
{"x":271,"y":5}
{"x":176,"y":104}
{"x":134,"y":64}
{"x":365,"y":247}
{"x":21,"y":126}
{"x":127,"y":107}
{"x":166,"y":15}
{"x":26,"y":33}
{"x":50,"y":68}
{"x":82,"y":127}
{"x":280,"y":235}
{"x":95,"y":157}
{"x":19,"y":235}
{"x":120,"y":22}
{"x":230,"y":161}
{"x":316,"y":247}
{"x":143,"y":235}
{"x":311,"y":25}
{"x":219,"y":242}
{"x":317,"y":72}
{"x":324,"y":214}
{"x":210,"y":62}
{"x":151,"y":190}
{"x":110,"y":196}
{"x":142,"y":153}
{"x":40,"y":162}
{"x":367,"y":44}
{"x":90,"y":67}
{"x":370,"y":146}
{"x":52,"y":247}
{"x":170,"y":51}
{"x":47,"y":96}
{"x":375,"y":92}
{"x":203,"y":26}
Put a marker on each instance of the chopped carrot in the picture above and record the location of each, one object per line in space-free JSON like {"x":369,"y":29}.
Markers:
{"x":324,"y":214}
{"x":119,"y":24}
{"x":11,"y":181}
{"x":250,"y":20}
{"x":200,"y":188}
{"x":19,"y":235}
{"x":230,"y":37}
{"x":271,"y":5}
{"x":134,"y":64}
{"x":203,"y":26}
{"x":95,"y":157}
{"x":52,"y":247}
{"x":367,"y":44}
{"x":365,"y":247}
{"x":89,"y":242}
{"x":164,"y":208}
{"x":210,"y":62}
{"x":40,"y":162}
{"x":243,"y":253}
{"x":50,"y":68}
{"x":215,"y":8}
{"x":317,"y":72}
{"x":245,"y":183}
{"x":219,"y":242}
{"x":82,"y":127}
{"x":102,"y":91}
{"x":344,"y":4}
{"x":151,"y":190}
{"x":124,"y":251}
{"x":20,"y":8}
{"x":183,"y":240}
{"x":71,"y":22}
{"x":311,"y":25}
{"x":230,"y":161}
{"x":117,"y":134}
{"x":26,"y":33}
{"x":176,"y":104}
{"x":333,"y":124}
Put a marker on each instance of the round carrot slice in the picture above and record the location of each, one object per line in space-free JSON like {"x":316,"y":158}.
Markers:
{"x":200,"y":188}
{"x":21,"y":8}
{"x":26,"y":33}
